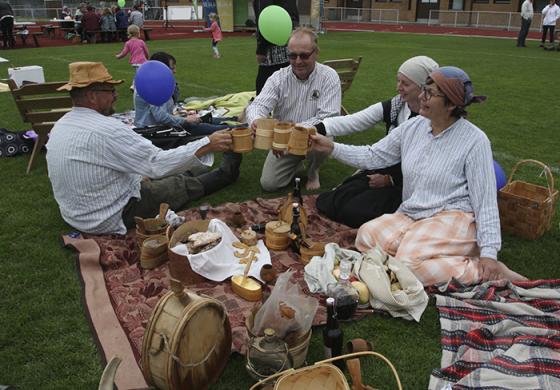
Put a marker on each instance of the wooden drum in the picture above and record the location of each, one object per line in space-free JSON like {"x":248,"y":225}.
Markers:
{"x":277,"y":235}
{"x":282,"y":132}
{"x":264,"y":133}
{"x":187,"y":343}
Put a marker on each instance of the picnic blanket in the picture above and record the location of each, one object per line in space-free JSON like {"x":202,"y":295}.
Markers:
{"x":119,"y":295}
{"x":499,"y":335}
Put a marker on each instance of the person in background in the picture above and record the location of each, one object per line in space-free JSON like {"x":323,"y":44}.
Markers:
{"x":147,"y":114}
{"x":526,"y":18}
{"x":270,"y":57}
{"x":136,"y":47}
{"x":216,"y":34}
{"x":80,"y":12}
{"x":370,"y":193}
{"x":550,"y":14}
{"x":448,"y":224}
{"x":108,"y":26}
{"x":305,"y":93}
{"x":136,"y":17}
{"x":90,"y":24}
{"x":121,"y":23}
{"x":7,"y":25}
{"x":66,"y":13}
{"x":103,"y":174}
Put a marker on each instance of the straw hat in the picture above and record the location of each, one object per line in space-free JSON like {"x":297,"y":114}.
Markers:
{"x":83,"y":74}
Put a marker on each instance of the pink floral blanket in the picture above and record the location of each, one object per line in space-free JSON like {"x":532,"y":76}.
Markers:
{"x":120,"y":295}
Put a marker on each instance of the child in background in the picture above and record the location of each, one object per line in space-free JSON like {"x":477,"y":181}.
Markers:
{"x":216,"y":34}
{"x":136,"y":47}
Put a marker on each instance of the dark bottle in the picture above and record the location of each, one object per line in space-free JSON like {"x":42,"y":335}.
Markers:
{"x":345,"y":295}
{"x":332,"y":335}
{"x":297,"y":191}
{"x":295,"y":230}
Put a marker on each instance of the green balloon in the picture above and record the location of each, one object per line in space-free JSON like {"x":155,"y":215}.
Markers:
{"x":121,"y":3}
{"x":275,"y":25}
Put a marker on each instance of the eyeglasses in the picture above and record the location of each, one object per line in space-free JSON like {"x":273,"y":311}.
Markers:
{"x":303,"y":56}
{"x":429,"y":92}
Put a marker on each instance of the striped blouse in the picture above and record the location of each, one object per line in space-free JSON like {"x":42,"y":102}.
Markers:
{"x":301,"y":101}
{"x":450,"y":171}
{"x":96,"y":164}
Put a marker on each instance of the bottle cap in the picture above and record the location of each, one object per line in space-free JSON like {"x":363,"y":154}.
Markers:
{"x":269,"y":332}
{"x":295,"y":204}
{"x":330,"y":301}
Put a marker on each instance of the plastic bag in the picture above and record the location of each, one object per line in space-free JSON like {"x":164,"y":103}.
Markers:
{"x":287,"y":309}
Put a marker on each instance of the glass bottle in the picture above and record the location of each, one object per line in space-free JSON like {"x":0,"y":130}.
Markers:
{"x":345,"y":295}
{"x":297,"y":191}
{"x":267,"y":355}
{"x":332,"y":334}
{"x":295,"y":229}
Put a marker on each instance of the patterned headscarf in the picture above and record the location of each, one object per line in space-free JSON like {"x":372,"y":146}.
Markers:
{"x":456,"y":85}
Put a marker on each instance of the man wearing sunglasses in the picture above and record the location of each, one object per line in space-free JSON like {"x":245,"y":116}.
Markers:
{"x":103,"y":174}
{"x":305,"y":93}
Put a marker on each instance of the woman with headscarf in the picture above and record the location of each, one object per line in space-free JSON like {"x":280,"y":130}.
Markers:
{"x":448,"y":224}
{"x":371,"y":193}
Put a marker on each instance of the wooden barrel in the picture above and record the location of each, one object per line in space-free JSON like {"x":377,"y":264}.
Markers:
{"x":282,"y":132}
{"x":298,"y":141}
{"x":179,"y":266}
{"x":264,"y":133}
{"x":187,"y":342}
{"x":242,"y":139}
{"x":276,"y":235}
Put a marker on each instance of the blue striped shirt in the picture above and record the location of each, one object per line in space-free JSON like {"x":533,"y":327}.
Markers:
{"x":450,"y":171}
{"x":96,"y":164}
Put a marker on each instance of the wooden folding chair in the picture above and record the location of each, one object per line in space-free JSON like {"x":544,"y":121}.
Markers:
{"x":40,"y":105}
{"x":346,"y":69}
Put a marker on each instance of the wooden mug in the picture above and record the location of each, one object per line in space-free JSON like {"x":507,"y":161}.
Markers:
{"x":242,"y":139}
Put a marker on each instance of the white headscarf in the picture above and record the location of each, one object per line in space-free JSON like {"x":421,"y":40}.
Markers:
{"x":418,"y":69}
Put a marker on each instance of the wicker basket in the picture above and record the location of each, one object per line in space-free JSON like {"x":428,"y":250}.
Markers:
{"x":321,"y":375}
{"x":527,"y":210}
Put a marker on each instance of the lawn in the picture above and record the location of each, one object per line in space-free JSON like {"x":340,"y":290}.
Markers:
{"x":45,"y":342}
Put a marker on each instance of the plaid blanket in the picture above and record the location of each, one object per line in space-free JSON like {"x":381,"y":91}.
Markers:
{"x":499,"y":335}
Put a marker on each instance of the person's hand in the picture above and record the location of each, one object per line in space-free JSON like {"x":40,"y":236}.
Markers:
{"x":489,"y":269}
{"x":278,"y":153}
{"x":220,"y":141}
{"x":377,"y":180}
{"x":320,"y":143}
{"x":192,"y":119}
{"x":254,"y":125}
{"x":261,"y":59}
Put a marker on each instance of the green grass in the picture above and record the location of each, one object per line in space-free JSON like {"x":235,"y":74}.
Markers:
{"x":45,"y":342}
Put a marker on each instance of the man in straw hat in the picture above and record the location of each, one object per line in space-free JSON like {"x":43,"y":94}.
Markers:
{"x":305,"y":93}
{"x":104,"y":174}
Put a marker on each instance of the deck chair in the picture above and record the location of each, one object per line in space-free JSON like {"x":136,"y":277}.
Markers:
{"x":346,"y":69}
{"x":40,"y":105}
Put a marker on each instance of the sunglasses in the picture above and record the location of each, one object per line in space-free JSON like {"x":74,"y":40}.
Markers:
{"x":303,"y":56}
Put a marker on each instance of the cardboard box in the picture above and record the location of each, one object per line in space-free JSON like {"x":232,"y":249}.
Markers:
{"x":32,"y":73}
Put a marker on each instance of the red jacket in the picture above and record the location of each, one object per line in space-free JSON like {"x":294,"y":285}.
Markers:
{"x":91,"y":21}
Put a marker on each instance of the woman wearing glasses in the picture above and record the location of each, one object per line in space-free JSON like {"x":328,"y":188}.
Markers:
{"x":448,"y":224}
{"x":371,"y":193}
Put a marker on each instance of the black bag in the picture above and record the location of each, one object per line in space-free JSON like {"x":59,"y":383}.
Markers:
{"x":165,"y":137}
{"x":354,"y":202}
{"x":12,"y":144}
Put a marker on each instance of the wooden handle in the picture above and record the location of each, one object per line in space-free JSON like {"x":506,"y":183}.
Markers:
{"x":247,"y":268}
{"x":546,"y":170}
{"x":108,"y":377}
{"x":355,"y":371}
{"x":163,"y":210}
{"x":140,"y":224}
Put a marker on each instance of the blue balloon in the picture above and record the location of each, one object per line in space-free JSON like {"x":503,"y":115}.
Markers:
{"x":154,"y":82}
{"x":501,"y":179}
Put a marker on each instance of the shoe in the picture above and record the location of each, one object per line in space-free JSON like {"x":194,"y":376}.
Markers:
{"x":541,"y":45}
